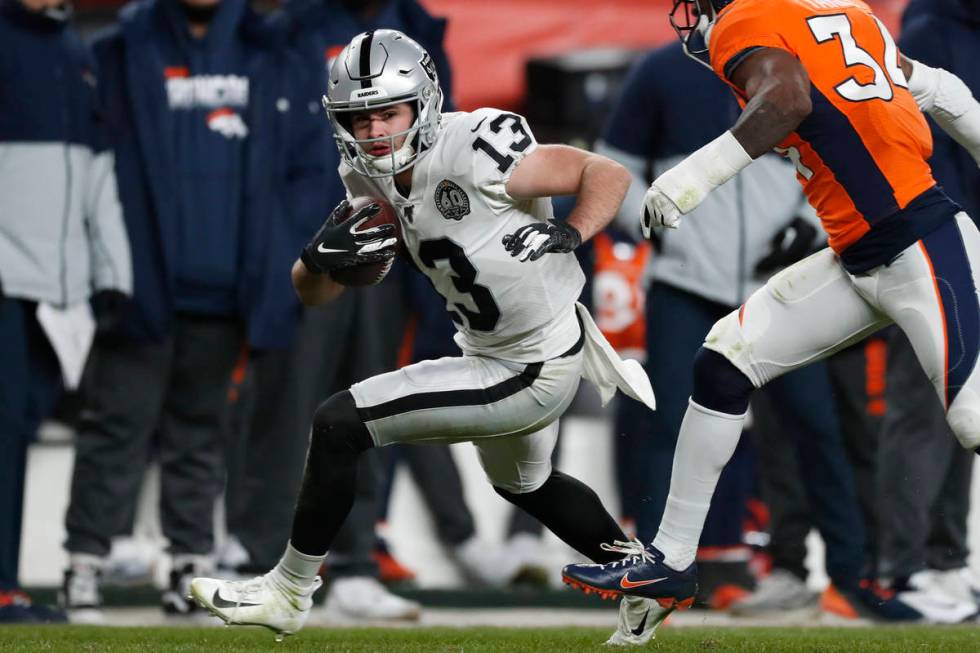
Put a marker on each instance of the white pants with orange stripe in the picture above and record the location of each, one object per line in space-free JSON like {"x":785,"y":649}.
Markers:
{"x":814,"y":308}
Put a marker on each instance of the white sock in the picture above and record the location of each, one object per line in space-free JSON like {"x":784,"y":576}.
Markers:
{"x":705,"y":444}
{"x":298,"y":570}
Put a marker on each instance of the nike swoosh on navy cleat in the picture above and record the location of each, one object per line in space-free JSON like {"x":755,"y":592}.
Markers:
{"x":219,"y":602}
{"x":626,"y":583}
{"x":643,"y":622}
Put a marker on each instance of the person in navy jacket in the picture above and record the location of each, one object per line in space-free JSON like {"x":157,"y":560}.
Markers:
{"x":61,"y":238}
{"x":220,"y":153}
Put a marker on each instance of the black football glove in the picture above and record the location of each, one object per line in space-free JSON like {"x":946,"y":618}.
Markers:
{"x":792,"y":243}
{"x":337,"y":246}
{"x":533,"y":241}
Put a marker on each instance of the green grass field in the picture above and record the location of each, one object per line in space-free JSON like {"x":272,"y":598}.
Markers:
{"x":25,"y":639}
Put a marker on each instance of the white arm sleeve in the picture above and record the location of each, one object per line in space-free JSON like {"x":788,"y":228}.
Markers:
{"x":949,"y":101}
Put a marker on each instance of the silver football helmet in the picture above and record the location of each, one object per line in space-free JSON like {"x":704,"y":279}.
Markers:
{"x":378,"y":69}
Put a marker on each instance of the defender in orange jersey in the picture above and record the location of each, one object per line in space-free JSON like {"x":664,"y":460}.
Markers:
{"x":822,"y":82}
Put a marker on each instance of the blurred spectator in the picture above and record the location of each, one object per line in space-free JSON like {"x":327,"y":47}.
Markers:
{"x":750,"y":228}
{"x":61,"y":239}
{"x":218,"y":151}
{"x":924,"y":475}
{"x":287,"y":387}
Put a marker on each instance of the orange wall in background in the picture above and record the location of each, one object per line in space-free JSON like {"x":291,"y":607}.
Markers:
{"x":489,"y":41}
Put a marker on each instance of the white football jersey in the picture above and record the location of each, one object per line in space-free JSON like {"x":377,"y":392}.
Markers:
{"x":452,"y":224}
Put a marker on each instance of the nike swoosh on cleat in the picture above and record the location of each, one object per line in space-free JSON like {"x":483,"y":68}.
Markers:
{"x":643,"y":622}
{"x":626,"y":583}
{"x":326,"y":250}
{"x":219,"y":602}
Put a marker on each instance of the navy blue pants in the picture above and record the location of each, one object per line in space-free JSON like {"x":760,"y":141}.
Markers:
{"x":805,"y":474}
{"x":30,"y":385}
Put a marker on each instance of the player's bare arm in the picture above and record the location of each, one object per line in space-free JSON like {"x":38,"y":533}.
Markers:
{"x":948,"y":100}
{"x":599,"y":184}
{"x":313,"y":289}
{"x":778,"y":89}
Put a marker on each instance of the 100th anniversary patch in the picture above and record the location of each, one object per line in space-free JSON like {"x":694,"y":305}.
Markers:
{"x":451,"y":200}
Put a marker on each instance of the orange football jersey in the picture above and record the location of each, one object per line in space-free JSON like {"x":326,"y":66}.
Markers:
{"x":861,"y":154}
{"x":619,"y":297}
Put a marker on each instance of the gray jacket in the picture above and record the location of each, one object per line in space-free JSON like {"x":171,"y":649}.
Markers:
{"x":714,"y":251}
{"x":61,"y":227}
{"x":61,"y":230}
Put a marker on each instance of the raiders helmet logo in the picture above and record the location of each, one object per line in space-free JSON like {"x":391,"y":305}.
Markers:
{"x":451,"y":200}
{"x":428,"y":66}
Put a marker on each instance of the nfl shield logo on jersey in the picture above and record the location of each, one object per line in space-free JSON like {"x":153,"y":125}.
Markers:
{"x":451,"y":200}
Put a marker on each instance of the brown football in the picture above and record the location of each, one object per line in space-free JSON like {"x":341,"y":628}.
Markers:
{"x":368,"y":274}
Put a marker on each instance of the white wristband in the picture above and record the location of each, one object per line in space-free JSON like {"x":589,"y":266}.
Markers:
{"x":689,"y":182}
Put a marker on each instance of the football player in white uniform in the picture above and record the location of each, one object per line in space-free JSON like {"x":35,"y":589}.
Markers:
{"x":471,"y":191}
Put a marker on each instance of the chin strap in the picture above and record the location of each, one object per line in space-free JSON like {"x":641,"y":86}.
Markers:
{"x":391,"y":163}
{"x":949,"y":101}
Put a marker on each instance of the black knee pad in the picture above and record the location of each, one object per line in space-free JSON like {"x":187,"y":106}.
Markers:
{"x":719,"y":385}
{"x":337,"y":426}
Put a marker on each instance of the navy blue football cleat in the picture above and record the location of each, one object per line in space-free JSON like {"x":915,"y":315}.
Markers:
{"x":641,"y":572}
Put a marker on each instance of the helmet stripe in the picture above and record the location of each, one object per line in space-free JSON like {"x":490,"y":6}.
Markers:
{"x":366,"y":59}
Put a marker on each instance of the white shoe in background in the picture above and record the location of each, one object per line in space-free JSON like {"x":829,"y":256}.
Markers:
{"x":132,"y":561}
{"x":81,"y":590}
{"x":484,"y":563}
{"x":971,"y":578}
{"x":233,"y":557}
{"x":962,"y":583}
{"x":262,"y":601}
{"x":525,"y":554}
{"x":779,"y":592}
{"x":927,"y":592}
{"x":176,"y":598}
{"x":364,"y":598}
{"x":638,"y":621}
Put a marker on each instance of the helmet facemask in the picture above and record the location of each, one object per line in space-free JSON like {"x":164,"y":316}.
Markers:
{"x":402,"y":72}
{"x":693,"y":27}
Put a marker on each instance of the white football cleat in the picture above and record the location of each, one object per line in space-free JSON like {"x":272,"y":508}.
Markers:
{"x":261,"y":601}
{"x":638,"y":621}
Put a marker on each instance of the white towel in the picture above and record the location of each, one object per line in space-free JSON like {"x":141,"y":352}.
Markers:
{"x":70,"y":331}
{"x":603,"y":366}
